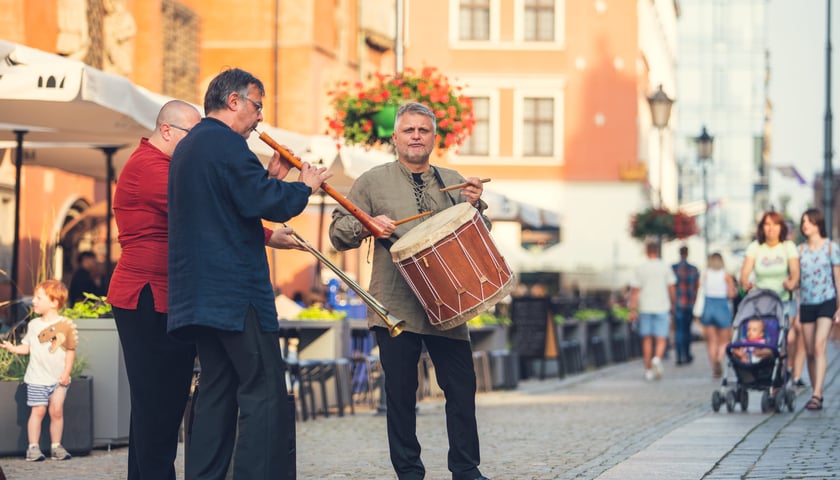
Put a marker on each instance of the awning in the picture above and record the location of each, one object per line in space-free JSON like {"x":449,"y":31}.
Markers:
{"x":503,"y":208}
{"x":64,"y":114}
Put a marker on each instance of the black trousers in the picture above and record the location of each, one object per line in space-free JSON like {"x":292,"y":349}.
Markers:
{"x":159,"y":370}
{"x":242,"y":374}
{"x":456,"y":376}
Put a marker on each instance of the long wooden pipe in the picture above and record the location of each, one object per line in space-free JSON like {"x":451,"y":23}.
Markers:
{"x":367,"y":220}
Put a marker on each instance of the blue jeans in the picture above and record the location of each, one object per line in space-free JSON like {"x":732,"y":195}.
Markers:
{"x":682,"y":333}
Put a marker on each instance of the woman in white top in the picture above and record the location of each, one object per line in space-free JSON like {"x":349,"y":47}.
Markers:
{"x":718,"y":288}
{"x":775,"y":263}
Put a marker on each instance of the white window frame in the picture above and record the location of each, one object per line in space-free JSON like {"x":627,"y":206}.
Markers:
{"x":518,"y":129}
{"x":493,"y":127}
{"x":455,"y":23}
{"x":559,"y":27}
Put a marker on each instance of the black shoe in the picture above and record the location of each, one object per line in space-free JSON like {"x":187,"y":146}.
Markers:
{"x":799,"y":383}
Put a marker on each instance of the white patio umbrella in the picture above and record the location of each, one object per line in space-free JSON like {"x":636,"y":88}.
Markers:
{"x":68,"y":115}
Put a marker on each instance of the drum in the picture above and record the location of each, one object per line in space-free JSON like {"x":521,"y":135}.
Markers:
{"x":453,"y":266}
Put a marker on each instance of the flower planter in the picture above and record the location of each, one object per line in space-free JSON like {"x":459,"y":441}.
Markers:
{"x":100,"y":344}
{"x":78,"y":419}
{"x":383,"y":120}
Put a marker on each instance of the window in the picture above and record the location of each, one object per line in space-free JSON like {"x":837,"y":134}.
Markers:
{"x":478,"y":144}
{"x":538,"y":127}
{"x":474,"y":20}
{"x":539,"y":20}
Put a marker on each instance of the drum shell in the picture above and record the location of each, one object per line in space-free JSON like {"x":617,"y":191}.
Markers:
{"x":453,"y":266}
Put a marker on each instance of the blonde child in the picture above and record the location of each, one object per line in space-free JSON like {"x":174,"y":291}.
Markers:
{"x":755,"y":333}
{"x":47,"y":376}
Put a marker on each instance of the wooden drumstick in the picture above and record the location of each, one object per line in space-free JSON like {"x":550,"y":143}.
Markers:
{"x":461,"y":185}
{"x":413,"y":217}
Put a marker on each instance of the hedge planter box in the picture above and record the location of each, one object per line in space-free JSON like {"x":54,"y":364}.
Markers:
{"x":78,"y":419}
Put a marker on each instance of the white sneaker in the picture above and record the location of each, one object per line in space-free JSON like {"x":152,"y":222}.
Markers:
{"x":657,"y":367}
{"x":649,"y":375}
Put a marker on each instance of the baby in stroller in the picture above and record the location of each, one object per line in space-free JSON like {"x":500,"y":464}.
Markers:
{"x":756,"y":355}
{"x":753,"y":353}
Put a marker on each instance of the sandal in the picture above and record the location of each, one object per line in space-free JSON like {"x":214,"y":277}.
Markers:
{"x":815,"y":403}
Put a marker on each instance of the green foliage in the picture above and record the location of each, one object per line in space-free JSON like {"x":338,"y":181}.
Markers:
{"x":93,"y":306}
{"x":13,"y":366}
{"x":588,"y":314}
{"x":488,"y":318}
{"x":559,"y":320}
{"x":621,"y":313}
{"x":317,"y":312}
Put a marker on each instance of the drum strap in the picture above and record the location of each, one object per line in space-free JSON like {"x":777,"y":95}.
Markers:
{"x":442,"y":185}
{"x":388,"y":242}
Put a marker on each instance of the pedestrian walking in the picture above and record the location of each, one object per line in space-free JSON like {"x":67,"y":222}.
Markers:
{"x":772,"y":262}
{"x":819,"y":260}
{"x":716,"y":318}
{"x":652,"y":301}
{"x":686,"y":294}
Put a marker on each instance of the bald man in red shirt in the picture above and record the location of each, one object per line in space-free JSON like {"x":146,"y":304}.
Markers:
{"x":159,"y":367}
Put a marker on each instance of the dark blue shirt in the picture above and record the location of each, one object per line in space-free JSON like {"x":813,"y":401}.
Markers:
{"x":219,"y":192}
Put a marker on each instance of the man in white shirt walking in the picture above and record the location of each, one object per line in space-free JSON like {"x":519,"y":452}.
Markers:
{"x":652,"y":302}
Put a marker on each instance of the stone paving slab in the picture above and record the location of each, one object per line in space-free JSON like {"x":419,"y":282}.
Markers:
{"x":592,"y":425}
{"x":751,"y":444}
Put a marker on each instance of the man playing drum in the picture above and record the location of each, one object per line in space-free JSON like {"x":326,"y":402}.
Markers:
{"x":397,"y":190}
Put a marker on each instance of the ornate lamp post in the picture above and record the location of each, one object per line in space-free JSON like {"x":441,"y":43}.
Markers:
{"x":705,"y":145}
{"x":660,"y":110}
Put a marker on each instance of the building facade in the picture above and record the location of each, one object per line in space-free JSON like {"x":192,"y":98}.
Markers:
{"x":722,"y":85}
{"x":560,"y":90}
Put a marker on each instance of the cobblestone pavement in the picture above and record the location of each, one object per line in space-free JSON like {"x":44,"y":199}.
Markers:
{"x":607,"y":424}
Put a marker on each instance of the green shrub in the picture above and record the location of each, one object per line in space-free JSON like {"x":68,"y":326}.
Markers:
{"x":93,"y":306}
{"x":13,"y":366}
{"x":621,"y":313}
{"x":587,"y":314}
{"x":487,"y":318}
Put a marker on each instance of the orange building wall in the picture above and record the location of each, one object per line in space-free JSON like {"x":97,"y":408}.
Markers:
{"x":591,"y":152}
{"x":44,"y":193}
{"x":596,"y":152}
{"x":319,"y":46}
{"x":148,"y":44}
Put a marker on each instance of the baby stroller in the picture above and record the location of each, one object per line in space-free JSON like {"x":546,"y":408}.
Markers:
{"x":765,"y":372}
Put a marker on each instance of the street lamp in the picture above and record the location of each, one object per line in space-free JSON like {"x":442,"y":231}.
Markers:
{"x":660,"y":110}
{"x":705,"y":145}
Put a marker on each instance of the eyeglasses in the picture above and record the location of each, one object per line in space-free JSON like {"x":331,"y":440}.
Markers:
{"x":176,"y":127}
{"x":258,"y":106}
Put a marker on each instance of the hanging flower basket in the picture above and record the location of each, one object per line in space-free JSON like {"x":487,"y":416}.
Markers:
{"x":659,"y":222}
{"x":362,"y":113}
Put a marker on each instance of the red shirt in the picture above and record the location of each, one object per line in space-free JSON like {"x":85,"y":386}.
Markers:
{"x":140,"y":210}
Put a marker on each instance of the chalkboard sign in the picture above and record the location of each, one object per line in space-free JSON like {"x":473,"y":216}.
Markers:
{"x":530,"y":316}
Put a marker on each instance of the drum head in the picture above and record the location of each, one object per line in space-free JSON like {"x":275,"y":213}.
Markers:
{"x":429,"y":232}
